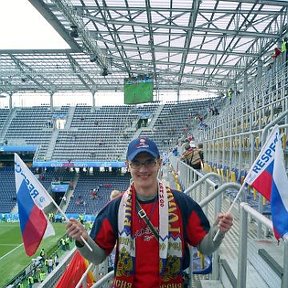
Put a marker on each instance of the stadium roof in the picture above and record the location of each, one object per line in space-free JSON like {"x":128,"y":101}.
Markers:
{"x":185,"y":44}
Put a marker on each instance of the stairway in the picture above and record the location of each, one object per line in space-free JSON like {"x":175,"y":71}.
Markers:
{"x":156,"y":115}
{"x":70,"y":115}
{"x":52,"y":144}
{"x":7,"y":123}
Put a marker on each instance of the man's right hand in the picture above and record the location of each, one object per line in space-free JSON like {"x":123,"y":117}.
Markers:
{"x":75,"y":230}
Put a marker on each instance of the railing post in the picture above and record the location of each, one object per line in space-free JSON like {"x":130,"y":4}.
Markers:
{"x":216,"y":256}
{"x":216,"y":266}
{"x":242,"y":256}
{"x":285,"y":265}
{"x":206,"y":194}
{"x":191,"y":267}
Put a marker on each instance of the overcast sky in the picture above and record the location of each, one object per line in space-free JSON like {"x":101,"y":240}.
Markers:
{"x":22,"y":27}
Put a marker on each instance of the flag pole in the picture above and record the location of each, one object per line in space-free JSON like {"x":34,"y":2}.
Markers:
{"x":84,"y":275}
{"x":66,"y":218}
{"x":231,"y":206}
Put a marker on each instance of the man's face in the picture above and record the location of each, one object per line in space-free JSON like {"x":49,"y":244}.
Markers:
{"x":144,"y":169}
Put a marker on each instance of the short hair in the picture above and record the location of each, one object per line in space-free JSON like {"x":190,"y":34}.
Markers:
{"x":187,"y":146}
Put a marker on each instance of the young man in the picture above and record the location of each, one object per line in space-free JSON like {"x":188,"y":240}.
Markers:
{"x":149,"y":254}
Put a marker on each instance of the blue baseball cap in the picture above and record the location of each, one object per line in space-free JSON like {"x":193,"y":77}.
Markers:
{"x":142,"y":144}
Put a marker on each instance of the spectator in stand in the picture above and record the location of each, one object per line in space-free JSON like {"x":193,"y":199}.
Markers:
{"x":230,"y":95}
{"x":184,"y":146}
{"x":20,"y":285}
{"x":202,"y":124}
{"x":151,"y":226}
{"x":193,"y":156}
{"x":186,"y":155}
{"x":211,"y":110}
{"x":42,"y":255}
{"x":42,"y":275}
{"x":114,"y":194}
{"x":81,"y":218}
{"x":49,"y":265}
{"x":196,"y":157}
{"x":93,"y":194}
{"x":190,"y":138}
{"x":165,"y":158}
{"x":63,"y":243}
{"x":30,"y":281}
{"x":214,"y":111}
{"x":67,"y":242}
{"x":200,"y":148}
{"x":277,"y":52}
{"x":284,"y":50}
{"x":56,"y":259}
{"x":175,"y":151}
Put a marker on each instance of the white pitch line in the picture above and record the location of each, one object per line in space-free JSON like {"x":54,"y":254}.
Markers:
{"x":10,"y":251}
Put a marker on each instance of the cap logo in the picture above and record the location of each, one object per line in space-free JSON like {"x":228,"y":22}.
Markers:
{"x":142,"y":144}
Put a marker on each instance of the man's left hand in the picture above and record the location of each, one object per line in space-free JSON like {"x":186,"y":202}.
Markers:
{"x":225,"y":222}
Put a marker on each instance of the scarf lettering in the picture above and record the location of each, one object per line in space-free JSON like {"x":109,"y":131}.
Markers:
{"x":175,"y":246}
{"x":127,"y":217}
{"x":172,"y":216}
{"x":121,"y":284}
{"x":124,"y":241}
{"x":176,"y":285}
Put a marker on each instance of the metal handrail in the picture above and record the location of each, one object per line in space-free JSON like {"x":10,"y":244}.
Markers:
{"x":217,"y":210}
{"x":245,"y":209}
{"x":271,"y":124}
{"x":202,"y":179}
{"x":218,"y":191}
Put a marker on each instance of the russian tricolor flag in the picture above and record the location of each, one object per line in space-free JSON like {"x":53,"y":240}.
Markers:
{"x":32,"y":198}
{"x":268,"y":176}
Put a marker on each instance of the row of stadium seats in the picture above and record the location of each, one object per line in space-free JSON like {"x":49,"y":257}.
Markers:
{"x":104,"y":183}
{"x":99,"y":128}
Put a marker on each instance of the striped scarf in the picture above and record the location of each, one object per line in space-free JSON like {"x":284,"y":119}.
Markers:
{"x":170,"y":234}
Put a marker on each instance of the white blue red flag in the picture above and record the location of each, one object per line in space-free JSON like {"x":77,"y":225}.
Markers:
{"x":32,"y":198}
{"x":268,"y":176}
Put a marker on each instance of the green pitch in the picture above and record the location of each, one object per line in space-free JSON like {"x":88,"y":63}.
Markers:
{"x":12,"y":254}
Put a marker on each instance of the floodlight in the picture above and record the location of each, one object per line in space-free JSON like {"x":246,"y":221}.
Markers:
{"x":104,"y":72}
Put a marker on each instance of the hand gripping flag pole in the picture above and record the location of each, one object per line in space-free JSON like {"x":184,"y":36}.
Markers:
{"x":32,"y":198}
{"x":268,"y":176}
{"x":230,"y":208}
